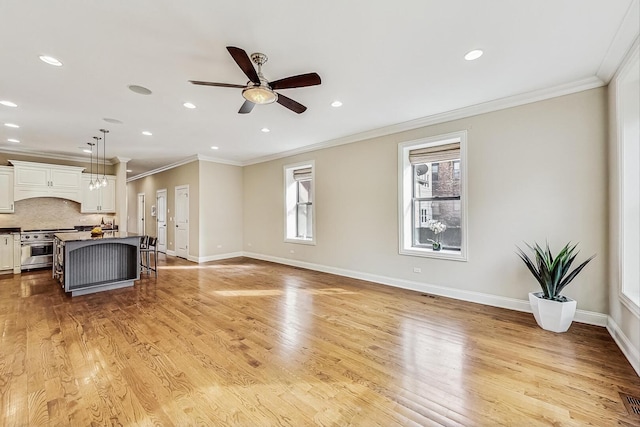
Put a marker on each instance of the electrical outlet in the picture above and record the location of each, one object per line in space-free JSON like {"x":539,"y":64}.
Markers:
{"x":292,"y":251}
{"x":219,"y":246}
{"x":417,"y":270}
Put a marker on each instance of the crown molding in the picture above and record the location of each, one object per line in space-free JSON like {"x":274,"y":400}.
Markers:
{"x":473,"y":110}
{"x":194,"y":158}
{"x":622,"y":42}
{"x":218,"y":160}
{"x":121,"y":159}
{"x":184,"y":161}
{"x":45,"y":155}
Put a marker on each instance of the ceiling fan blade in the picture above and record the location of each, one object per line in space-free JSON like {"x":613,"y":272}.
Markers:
{"x":244,"y":62}
{"x":292,"y":105}
{"x":196,"y":82}
{"x":302,"y":80}
{"x":246,"y":107}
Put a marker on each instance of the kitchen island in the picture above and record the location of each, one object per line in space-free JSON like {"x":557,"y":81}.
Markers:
{"x":85,"y":264}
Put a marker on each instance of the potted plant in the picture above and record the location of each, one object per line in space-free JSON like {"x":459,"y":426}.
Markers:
{"x":552,"y":311}
{"x":437,"y":227}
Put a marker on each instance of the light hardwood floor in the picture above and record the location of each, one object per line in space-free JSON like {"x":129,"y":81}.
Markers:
{"x":245,"y":342}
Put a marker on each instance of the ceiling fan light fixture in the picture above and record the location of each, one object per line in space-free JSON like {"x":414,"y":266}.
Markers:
{"x":259,"y":95}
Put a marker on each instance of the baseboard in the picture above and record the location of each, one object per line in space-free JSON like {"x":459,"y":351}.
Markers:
{"x":630,"y":352}
{"x":171,"y":253}
{"x":582,"y":316}
{"x":216,"y":257}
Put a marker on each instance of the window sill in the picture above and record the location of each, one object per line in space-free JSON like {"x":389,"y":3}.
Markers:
{"x":430,"y":253}
{"x":300,"y":241}
{"x":630,"y":303}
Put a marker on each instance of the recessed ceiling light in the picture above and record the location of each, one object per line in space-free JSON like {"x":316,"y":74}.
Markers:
{"x":50,"y":60}
{"x":15,"y":141}
{"x":336,"y":104}
{"x":147,"y":133}
{"x":214,"y":147}
{"x":265,"y":130}
{"x":474,"y":54}
{"x":140,"y":90}
{"x":114,"y":121}
{"x":11,"y":125}
{"x":8,"y":104}
{"x":189,"y":105}
{"x":129,"y":171}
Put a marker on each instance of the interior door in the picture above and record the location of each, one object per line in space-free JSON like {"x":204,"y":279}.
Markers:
{"x":182,"y":221}
{"x":141,"y":230}
{"x":161,"y":203}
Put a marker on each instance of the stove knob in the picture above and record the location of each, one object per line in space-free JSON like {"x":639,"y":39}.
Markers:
{"x":27,"y":237}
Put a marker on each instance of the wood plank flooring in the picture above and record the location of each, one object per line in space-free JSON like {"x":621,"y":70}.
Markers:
{"x":251,"y":343}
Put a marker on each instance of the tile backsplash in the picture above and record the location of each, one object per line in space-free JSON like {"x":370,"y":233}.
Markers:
{"x":49,"y":212}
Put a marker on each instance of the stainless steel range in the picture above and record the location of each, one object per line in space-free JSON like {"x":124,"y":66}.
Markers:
{"x":37,"y":247}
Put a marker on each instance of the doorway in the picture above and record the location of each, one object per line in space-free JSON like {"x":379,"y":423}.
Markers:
{"x":161,"y":203}
{"x":182,"y":221}
{"x":141,"y":229}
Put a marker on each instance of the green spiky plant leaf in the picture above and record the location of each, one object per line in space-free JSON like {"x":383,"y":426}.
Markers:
{"x":552,"y":273}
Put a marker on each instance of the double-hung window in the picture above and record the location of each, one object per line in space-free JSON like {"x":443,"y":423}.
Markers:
{"x":299,"y":204}
{"x":432,"y":197}
{"x":627,"y":112}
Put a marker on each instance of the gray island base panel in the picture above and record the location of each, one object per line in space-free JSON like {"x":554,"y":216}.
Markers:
{"x":85,"y":264}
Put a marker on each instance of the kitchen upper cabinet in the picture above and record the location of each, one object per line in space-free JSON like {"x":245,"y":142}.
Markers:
{"x":6,"y":252}
{"x":6,"y":189}
{"x":101,"y":200}
{"x":45,"y":180}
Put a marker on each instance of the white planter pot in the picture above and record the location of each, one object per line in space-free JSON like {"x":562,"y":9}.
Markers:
{"x":551,"y":315}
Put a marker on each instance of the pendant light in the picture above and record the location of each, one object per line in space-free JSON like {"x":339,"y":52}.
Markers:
{"x":104,"y":157}
{"x":91,"y":184}
{"x":97,"y":184}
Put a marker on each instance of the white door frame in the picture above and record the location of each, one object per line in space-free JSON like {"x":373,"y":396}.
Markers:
{"x":161,"y":220}
{"x":186,"y":223}
{"x":140,"y":215}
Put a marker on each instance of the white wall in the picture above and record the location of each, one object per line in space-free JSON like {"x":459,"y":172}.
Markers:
{"x":536,"y":172}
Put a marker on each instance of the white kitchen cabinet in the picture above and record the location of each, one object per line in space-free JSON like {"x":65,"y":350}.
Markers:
{"x":6,"y":189}
{"x":46,"y":180}
{"x":101,"y":200}
{"x":6,"y":252}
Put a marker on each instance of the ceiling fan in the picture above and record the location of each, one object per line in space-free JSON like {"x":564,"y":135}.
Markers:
{"x":260,"y":91}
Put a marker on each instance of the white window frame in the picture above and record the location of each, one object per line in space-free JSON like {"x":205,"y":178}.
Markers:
{"x":405,"y":188}
{"x":629,"y":289}
{"x":290,"y":203}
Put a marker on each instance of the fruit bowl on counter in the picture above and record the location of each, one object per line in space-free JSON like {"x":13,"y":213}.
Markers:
{"x":96,"y":231}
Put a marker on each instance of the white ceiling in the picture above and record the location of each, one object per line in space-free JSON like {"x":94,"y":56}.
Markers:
{"x":388,"y":62}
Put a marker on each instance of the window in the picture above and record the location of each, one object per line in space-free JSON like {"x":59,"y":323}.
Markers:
{"x":627,"y":113}
{"x":432,"y":183}
{"x":299,"y":207}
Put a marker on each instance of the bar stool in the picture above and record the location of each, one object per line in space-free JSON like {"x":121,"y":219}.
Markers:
{"x":144,"y":245}
{"x":151,"y":247}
